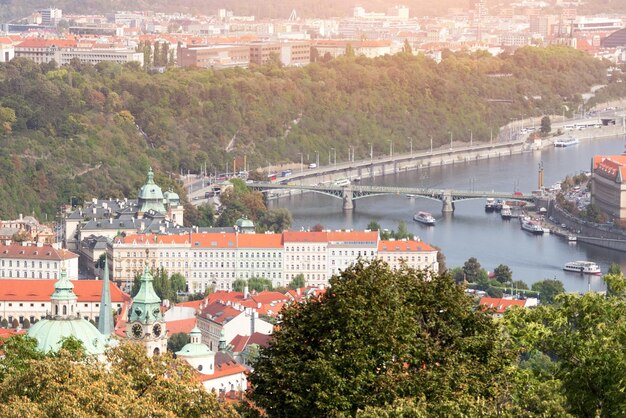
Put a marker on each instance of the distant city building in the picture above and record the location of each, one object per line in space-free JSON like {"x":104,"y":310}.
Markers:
{"x":50,"y":16}
{"x":36,"y":261}
{"x":62,"y":51}
{"x":214,"y":260}
{"x":608,"y":184}
{"x":214,"y":56}
{"x":615,"y":40}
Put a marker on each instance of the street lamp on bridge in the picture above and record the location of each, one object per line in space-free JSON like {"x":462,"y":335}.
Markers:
{"x":450,"y":139}
{"x":411,"y":145}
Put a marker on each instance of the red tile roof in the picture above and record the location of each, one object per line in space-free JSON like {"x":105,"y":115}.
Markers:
{"x":297,"y":236}
{"x":219,"y":312}
{"x":41,"y":290}
{"x":45,"y":43}
{"x":180,"y":325}
{"x":500,"y":305}
{"x":240,"y":342}
{"x":34,"y":252}
{"x":260,"y":241}
{"x":226,"y":369}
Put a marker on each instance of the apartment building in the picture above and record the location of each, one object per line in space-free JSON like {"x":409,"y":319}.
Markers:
{"x":416,"y":254}
{"x":216,"y":259}
{"x":214,"y":56}
{"x":35,"y":261}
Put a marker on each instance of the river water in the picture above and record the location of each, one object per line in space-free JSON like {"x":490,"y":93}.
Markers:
{"x":470,"y":232}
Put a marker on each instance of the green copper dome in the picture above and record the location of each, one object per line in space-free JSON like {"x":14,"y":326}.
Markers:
{"x":195,"y":348}
{"x":151,"y":196}
{"x":50,"y":333}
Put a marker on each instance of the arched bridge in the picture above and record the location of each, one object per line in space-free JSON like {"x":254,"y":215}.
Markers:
{"x":350,"y":193}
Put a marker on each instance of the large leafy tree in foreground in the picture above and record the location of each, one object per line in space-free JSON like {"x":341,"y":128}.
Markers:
{"x":576,"y":346}
{"x":70,"y":384}
{"x":378,"y":336}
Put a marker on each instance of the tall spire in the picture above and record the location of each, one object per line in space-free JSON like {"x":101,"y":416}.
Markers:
{"x":105,"y":321}
{"x":150,"y":176}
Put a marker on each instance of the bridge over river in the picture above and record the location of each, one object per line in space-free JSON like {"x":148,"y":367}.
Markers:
{"x":350,"y":193}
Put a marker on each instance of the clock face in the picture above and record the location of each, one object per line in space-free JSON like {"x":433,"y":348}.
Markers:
{"x":156,"y":330}
{"x":137,"y":330}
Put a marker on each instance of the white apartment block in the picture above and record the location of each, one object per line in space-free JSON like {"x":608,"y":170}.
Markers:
{"x":216,"y":260}
{"x":36,"y":261}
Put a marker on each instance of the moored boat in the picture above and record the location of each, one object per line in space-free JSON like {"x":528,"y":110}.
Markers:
{"x":584,"y":267}
{"x":531,"y":226}
{"x":506,"y":213}
{"x":562,"y":143}
{"x":490,"y":204}
{"x":498,"y":205}
{"x":424,"y":217}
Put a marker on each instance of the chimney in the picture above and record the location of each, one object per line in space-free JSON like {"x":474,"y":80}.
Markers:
{"x":21,"y":217}
{"x":246,"y":292}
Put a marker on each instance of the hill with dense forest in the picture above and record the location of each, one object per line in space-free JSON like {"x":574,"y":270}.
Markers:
{"x":90,"y":131}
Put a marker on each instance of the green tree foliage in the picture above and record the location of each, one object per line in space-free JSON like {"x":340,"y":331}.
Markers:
{"x":297,"y":282}
{"x":406,"y":48}
{"x":258,"y":284}
{"x":373,"y":226}
{"x":548,"y":289}
{"x":131,"y":384}
{"x":503,"y":273}
{"x":165,"y":286}
{"x":92,"y":131}
{"x":177,"y":341}
{"x":206,"y":215}
{"x":582,"y":338}
{"x":425,"y":341}
{"x":546,"y":126}
{"x":472,"y":269}
{"x":275,"y":220}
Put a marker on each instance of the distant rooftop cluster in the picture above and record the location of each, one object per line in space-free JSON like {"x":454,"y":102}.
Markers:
{"x":160,"y":40}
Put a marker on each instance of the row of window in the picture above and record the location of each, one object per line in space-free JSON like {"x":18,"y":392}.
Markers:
{"x":9,"y":263}
{"x":24,"y":274}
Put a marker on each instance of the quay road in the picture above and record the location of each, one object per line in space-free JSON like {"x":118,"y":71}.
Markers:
{"x":390,"y":164}
{"x":350,"y":193}
{"x":459,"y":152}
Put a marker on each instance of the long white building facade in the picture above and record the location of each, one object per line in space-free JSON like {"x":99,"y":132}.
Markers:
{"x":216,"y":260}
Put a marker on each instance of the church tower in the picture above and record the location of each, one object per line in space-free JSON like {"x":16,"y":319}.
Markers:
{"x":63,"y":301}
{"x":145,"y":321}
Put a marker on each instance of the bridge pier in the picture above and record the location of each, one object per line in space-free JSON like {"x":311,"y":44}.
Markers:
{"x":348,"y":203}
{"x":448,"y":203}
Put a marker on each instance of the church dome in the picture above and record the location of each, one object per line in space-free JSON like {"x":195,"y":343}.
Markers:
{"x":195,"y":348}
{"x":244,"y":223}
{"x":150,"y":190}
{"x":50,"y":333}
{"x":151,"y":196}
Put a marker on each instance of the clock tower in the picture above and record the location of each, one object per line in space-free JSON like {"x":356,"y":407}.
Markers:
{"x":145,"y":322}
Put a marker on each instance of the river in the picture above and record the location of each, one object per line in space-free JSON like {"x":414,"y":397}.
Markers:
{"x":470,"y":232}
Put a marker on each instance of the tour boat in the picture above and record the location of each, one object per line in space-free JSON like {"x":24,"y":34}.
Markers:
{"x":425,"y":218}
{"x":498,"y":205}
{"x":585,"y":267}
{"x":562,"y":143}
{"x":531,"y":226}
{"x":506,"y":213}
{"x":490,"y":204}
{"x":341,"y":182}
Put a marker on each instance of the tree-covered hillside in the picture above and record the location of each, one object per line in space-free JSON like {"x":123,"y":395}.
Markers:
{"x":90,"y":131}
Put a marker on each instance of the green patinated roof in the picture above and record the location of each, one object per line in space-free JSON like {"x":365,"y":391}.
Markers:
{"x":195,"y":349}
{"x":146,"y":303}
{"x":49,"y":334}
{"x":244,"y":223}
{"x":63,"y":288}
{"x":150,"y":195}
